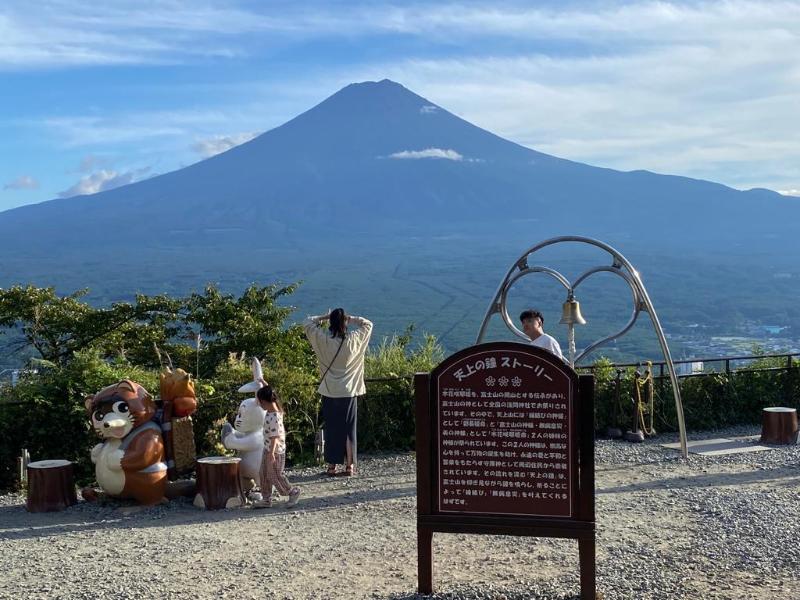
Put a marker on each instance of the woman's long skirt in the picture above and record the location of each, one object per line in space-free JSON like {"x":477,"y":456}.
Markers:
{"x":340,"y":416}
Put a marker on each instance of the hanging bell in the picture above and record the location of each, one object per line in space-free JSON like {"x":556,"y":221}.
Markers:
{"x":571,"y":312}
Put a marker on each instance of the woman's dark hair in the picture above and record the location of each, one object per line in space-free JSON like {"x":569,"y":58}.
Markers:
{"x":267,"y":394}
{"x":337,"y":323}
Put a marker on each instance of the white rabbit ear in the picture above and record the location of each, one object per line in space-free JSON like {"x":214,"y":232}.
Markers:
{"x":257,"y":372}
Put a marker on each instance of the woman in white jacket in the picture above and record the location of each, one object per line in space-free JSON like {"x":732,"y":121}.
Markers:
{"x":340,"y":351}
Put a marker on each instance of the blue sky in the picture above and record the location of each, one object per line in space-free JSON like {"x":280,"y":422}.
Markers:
{"x":94,"y":95}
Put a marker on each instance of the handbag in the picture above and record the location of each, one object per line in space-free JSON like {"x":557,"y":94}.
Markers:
{"x":333,"y":360}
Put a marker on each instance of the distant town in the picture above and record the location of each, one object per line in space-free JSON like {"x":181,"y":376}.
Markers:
{"x":696,"y":341}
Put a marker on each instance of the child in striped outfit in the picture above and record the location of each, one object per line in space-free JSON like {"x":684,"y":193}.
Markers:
{"x":274,"y":459}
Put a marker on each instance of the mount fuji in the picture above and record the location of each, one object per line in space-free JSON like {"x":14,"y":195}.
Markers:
{"x":383,"y":159}
{"x":378,"y":177}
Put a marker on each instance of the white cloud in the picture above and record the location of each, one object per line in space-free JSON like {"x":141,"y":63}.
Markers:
{"x":428,"y":153}
{"x":651,"y":21}
{"x":61,"y":35}
{"x":706,"y":90}
{"x":103,"y":180}
{"x":220,"y":143}
{"x":24,"y":182}
{"x":142,"y":32}
{"x":428,"y":109}
{"x":176,"y":127}
{"x":698,"y":88}
{"x":97,"y":130}
{"x":791,"y":192}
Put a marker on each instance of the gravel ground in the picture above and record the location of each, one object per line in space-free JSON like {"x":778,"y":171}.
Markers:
{"x":712,"y":528}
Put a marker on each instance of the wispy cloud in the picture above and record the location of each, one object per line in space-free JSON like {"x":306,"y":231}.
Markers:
{"x":651,"y":21}
{"x":24,"y":182}
{"x":103,"y":180}
{"x":60,"y":34}
{"x":706,"y":90}
{"x":97,"y":130}
{"x":67,"y":34}
{"x":428,"y":153}
{"x":220,"y":143}
{"x":699,"y":88}
{"x":792,"y":192}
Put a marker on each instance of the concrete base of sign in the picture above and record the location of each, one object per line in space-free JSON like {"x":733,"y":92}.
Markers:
{"x":722,"y":446}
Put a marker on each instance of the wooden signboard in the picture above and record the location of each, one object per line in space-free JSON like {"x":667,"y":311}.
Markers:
{"x":505,"y":445}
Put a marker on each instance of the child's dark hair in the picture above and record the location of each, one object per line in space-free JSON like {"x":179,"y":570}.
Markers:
{"x":267,"y":394}
{"x":531,"y":314}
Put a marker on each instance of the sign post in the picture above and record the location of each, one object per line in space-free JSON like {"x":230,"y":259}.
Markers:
{"x":505,"y":445}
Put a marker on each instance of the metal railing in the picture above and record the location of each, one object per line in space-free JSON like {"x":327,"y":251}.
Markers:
{"x":720,"y":365}
{"x":725,"y":361}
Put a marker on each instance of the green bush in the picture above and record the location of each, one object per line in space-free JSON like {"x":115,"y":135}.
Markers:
{"x":711,"y":400}
{"x":386,"y":413}
{"x":82,"y":348}
{"x":297,"y":389}
{"x":611,"y":410}
{"x":45,"y":412}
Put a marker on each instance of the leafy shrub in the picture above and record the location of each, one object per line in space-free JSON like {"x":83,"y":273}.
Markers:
{"x":715,"y":400}
{"x":45,"y":413}
{"x":613,"y":398}
{"x":386,"y":414}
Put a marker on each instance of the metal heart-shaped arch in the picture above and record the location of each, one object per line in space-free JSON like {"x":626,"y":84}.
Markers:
{"x":638,"y":305}
{"x":621,"y":267}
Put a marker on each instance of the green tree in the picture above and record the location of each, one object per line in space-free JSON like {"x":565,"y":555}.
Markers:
{"x":56,"y":327}
{"x":253,"y":324}
{"x":83,"y":348}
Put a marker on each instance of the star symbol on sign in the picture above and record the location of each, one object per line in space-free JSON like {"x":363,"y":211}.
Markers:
{"x":516,"y":382}
{"x":503,"y":381}
{"x":490,"y":381}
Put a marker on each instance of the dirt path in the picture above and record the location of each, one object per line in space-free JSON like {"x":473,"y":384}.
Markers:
{"x":718,"y":528}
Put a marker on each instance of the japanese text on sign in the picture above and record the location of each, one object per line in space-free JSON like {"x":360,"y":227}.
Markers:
{"x":504,"y":435}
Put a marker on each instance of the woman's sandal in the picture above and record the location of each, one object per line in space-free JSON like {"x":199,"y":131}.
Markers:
{"x":331,"y":471}
{"x":349,"y":471}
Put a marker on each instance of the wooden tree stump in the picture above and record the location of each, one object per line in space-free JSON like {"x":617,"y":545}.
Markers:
{"x":218,"y":484}
{"x":779,"y":425}
{"x":51,"y":486}
{"x":184,"y":453}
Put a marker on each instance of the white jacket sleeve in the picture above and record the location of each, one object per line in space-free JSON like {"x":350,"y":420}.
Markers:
{"x":312,"y":328}
{"x":364,"y":328}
